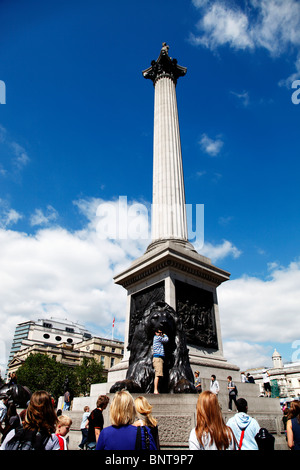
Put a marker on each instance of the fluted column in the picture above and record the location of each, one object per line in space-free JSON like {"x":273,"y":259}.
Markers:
{"x":168,"y":204}
{"x":168,"y":214}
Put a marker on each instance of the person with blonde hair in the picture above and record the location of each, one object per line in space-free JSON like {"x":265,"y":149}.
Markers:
{"x":63,"y":426}
{"x":145,"y":418}
{"x":38,"y":431}
{"x":211,"y":432}
{"x":122,"y":435}
{"x":84,"y":427}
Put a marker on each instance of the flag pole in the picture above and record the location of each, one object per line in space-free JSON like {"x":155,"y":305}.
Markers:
{"x":112,"y":330}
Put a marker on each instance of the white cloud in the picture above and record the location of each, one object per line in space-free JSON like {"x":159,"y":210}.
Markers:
{"x":262,"y":310}
{"x":222,"y":25}
{"x":18,"y":155}
{"x":55,"y":272}
{"x":242,"y":97}
{"x":8,"y":216}
{"x":220,"y":251}
{"x":246,"y":355}
{"x":278,"y":25}
{"x":273,"y":25}
{"x":211,"y":146}
{"x":20,"y":158}
{"x":41,"y":218}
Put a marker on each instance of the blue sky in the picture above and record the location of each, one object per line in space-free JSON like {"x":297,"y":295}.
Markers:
{"x":76,"y":131}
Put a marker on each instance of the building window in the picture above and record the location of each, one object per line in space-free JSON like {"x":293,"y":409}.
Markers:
{"x":113,"y":350}
{"x":69,"y":340}
{"x":58,"y":338}
{"x":102,"y":359}
{"x":69,"y":330}
{"x":47,"y":325}
{"x":112,"y":361}
{"x":46,"y":336}
{"x":102,"y":348}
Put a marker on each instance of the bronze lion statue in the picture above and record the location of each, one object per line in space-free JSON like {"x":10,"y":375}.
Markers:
{"x":178,"y":375}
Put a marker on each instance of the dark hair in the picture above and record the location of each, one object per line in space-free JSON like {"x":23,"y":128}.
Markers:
{"x":242,"y":405}
{"x":213,"y":376}
{"x":102,"y":401}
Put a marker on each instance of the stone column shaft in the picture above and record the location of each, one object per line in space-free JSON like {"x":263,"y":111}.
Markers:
{"x":169,"y":212}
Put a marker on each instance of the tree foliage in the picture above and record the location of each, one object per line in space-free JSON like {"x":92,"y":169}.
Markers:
{"x":41,"y":372}
{"x":88,"y":373}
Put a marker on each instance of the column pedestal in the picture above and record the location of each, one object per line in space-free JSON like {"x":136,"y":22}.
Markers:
{"x":187,"y":282}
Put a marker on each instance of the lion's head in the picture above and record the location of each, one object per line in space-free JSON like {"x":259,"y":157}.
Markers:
{"x":160,"y":316}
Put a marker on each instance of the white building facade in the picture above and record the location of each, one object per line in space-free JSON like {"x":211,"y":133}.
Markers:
{"x":284,"y":378}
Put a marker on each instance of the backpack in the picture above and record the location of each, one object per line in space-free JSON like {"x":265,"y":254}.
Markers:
{"x":234,"y":391}
{"x":27,"y":440}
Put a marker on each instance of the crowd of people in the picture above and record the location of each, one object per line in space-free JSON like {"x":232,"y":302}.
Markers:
{"x":133,"y":427}
{"x":41,"y":427}
{"x":38,"y":427}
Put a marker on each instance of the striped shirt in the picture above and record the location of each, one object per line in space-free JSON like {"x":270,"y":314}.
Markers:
{"x":158,"y":347}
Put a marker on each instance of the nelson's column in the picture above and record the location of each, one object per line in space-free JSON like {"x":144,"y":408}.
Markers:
{"x":171,"y":270}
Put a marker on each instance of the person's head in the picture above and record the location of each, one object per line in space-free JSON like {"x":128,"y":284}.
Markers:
{"x":144,"y":409}
{"x":196,"y":373}
{"x":213,"y":377}
{"x":63,"y":425}
{"x":102,"y":402}
{"x":294,"y":409}
{"x":210,"y":420}
{"x":242,"y":405}
{"x":86,"y":409}
{"x":229,"y":378}
{"x":40,"y":414}
{"x":159,"y":332}
{"x":122,"y":409}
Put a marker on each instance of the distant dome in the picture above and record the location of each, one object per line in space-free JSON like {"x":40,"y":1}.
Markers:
{"x":276,"y":354}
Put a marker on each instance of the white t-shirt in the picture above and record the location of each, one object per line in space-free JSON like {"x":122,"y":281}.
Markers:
{"x":265,"y":377}
{"x":194,"y":444}
{"x":214,"y":387}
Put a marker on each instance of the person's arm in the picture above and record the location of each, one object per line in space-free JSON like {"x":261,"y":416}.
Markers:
{"x":289,"y":434}
{"x":97,"y":433}
{"x":230,"y":386}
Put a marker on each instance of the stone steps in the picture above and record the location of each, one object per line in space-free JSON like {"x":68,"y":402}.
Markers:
{"x":176,"y":415}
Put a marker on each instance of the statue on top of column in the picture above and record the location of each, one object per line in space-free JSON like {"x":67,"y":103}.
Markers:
{"x":164,"y":66}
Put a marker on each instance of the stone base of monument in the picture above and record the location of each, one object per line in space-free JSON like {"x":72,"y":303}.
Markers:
{"x":206,"y":363}
{"x":176,"y":414}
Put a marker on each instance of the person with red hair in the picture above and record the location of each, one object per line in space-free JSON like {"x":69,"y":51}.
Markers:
{"x":211,"y":432}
